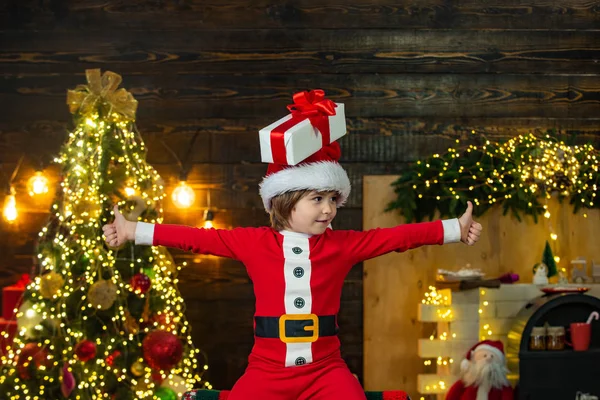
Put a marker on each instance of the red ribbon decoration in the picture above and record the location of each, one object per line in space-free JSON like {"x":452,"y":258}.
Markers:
{"x":23,"y":282}
{"x":310,"y":105}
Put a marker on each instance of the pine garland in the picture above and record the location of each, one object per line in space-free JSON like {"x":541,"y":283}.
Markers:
{"x":519,"y":174}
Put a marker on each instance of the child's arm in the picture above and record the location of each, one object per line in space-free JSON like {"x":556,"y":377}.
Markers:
{"x":224,"y":243}
{"x":216,"y":242}
{"x":375,"y":242}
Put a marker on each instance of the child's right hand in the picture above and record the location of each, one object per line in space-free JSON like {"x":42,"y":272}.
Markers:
{"x":120,"y":231}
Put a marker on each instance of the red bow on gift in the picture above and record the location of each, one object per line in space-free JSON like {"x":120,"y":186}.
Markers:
{"x":310,"y":105}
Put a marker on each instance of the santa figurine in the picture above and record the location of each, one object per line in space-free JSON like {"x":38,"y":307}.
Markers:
{"x":483,"y":374}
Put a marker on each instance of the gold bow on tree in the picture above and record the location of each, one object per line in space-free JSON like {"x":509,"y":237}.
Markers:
{"x":101,"y":89}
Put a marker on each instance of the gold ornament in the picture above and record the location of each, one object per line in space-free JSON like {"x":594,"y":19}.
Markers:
{"x":137,"y":368}
{"x":50,"y":284}
{"x":131,"y":325}
{"x":102,"y":294}
{"x":101,"y":88}
{"x":28,"y":318}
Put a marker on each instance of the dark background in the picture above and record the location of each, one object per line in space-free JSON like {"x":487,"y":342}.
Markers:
{"x":415,"y":76}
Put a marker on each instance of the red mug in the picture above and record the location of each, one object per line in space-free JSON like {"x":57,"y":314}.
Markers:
{"x":581,"y":334}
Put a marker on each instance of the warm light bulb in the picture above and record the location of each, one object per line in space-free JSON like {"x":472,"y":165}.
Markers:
{"x":209,"y":215}
{"x":554,"y":236}
{"x":10,"y":207}
{"x":37,"y":184}
{"x":183,"y":195}
{"x":129,"y":191}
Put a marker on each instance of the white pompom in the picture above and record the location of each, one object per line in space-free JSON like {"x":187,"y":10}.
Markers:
{"x":464,"y":365}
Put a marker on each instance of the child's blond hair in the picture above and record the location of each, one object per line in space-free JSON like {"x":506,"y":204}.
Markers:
{"x":282,"y":206}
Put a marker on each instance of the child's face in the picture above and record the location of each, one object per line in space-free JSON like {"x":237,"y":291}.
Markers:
{"x":313,"y":213}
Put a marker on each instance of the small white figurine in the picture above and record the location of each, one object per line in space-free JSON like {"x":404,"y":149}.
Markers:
{"x":541,"y":274}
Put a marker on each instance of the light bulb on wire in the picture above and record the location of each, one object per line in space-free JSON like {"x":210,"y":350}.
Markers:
{"x":37,"y":184}
{"x":183,"y":196}
{"x":10,"y":206}
{"x":208,"y":218}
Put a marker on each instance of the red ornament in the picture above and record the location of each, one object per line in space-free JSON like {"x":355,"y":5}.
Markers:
{"x":162,"y":350}
{"x":31,"y":353}
{"x":110,"y":360}
{"x":140,"y":283}
{"x":85,"y":350}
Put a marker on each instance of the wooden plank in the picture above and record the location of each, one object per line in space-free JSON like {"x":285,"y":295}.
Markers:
{"x":429,"y":384}
{"x":231,"y":186}
{"x":369,"y":95}
{"x":197,"y":14}
{"x":56,"y":130}
{"x":368,"y":139}
{"x":390,"y":336}
{"x":301,"y":51}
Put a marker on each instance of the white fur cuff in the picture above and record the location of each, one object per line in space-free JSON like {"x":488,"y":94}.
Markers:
{"x":144,"y":234}
{"x":451,"y":230}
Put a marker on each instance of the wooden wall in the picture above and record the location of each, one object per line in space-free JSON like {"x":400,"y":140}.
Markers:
{"x":394,"y":284}
{"x":414,"y":76}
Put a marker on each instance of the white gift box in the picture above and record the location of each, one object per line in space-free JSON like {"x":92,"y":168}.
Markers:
{"x":301,"y":139}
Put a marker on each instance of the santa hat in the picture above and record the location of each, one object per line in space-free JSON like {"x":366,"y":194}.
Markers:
{"x":320,"y":172}
{"x":496,"y":347}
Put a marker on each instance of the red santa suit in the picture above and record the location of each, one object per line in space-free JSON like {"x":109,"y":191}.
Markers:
{"x":461,"y":391}
{"x":298,"y":278}
{"x":297,"y":281}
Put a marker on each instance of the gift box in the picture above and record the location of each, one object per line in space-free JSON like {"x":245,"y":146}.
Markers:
{"x":12,"y":297}
{"x":313,"y":122}
{"x":9,"y":327}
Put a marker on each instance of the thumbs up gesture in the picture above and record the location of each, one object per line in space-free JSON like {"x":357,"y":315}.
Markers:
{"x":119,"y":231}
{"x":469,"y":229}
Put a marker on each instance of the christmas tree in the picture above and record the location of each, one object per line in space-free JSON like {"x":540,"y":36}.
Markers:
{"x":548,"y":259}
{"x":101,"y":323}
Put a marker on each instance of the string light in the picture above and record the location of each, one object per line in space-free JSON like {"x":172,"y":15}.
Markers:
{"x":436,"y":298}
{"x":37,"y":184}
{"x":80,"y":213}
{"x":208,"y":219}
{"x":486,"y":330}
{"x":183,"y":196}
{"x":517,"y":174}
{"x":10,"y":206}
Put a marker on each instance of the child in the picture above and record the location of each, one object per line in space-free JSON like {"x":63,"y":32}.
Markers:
{"x":297,"y":266}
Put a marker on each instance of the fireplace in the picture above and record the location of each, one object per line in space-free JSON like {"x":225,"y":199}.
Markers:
{"x":555,"y":374}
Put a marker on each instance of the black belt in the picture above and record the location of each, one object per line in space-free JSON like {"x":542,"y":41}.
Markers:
{"x":297,"y":327}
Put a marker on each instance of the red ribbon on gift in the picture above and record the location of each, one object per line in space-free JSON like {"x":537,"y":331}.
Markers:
{"x":23,"y":282}
{"x":310,"y":105}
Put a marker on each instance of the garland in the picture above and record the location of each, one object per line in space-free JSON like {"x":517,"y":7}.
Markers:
{"x":519,"y":175}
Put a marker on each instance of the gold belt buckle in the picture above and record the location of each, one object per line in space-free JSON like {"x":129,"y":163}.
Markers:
{"x":299,"y":317}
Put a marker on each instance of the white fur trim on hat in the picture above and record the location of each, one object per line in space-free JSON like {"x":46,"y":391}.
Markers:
{"x":464,"y":364}
{"x":320,"y":176}
{"x":492,"y":349}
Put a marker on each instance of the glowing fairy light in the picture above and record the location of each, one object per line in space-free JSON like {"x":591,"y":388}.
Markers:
{"x":183,"y":196}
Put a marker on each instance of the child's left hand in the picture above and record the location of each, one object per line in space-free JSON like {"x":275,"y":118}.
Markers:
{"x":469,"y":229}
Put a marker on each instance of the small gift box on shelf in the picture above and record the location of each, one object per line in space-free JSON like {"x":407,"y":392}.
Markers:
{"x":313,"y":122}
{"x":12,"y":296}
